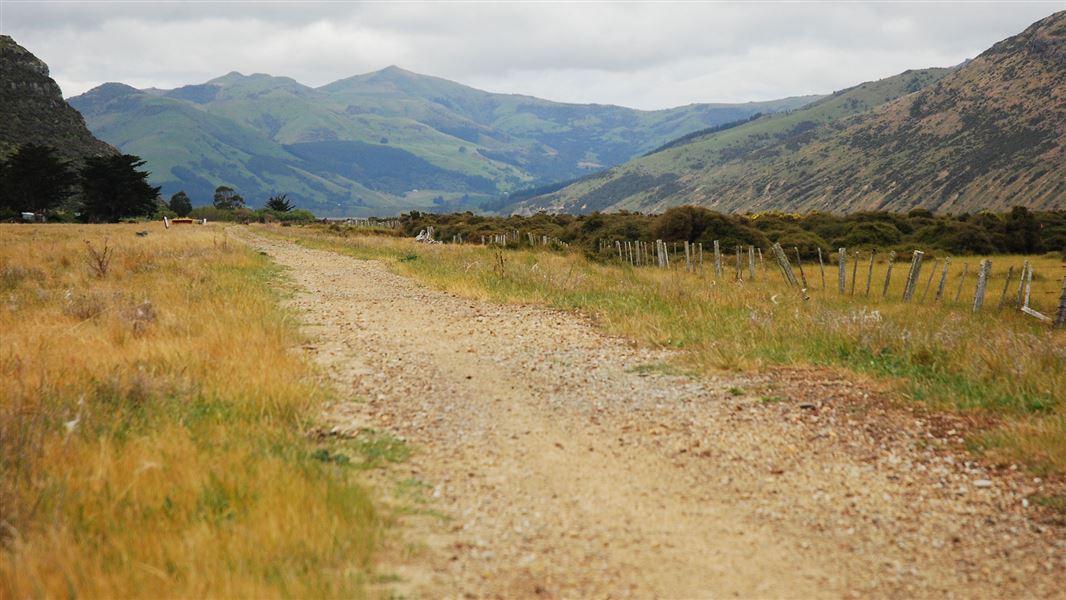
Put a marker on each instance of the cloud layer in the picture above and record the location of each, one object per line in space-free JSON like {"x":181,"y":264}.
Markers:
{"x":644,"y":55}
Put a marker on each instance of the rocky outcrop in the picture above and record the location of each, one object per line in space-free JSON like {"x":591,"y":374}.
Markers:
{"x":32,"y":109}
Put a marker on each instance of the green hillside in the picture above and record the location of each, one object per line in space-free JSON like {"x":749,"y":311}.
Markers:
{"x":377,"y":143}
{"x":986,"y":135}
{"x":196,"y":151}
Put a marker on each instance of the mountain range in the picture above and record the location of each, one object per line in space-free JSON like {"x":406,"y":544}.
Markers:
{"x":986,"y":135}
{"x":377,"y":143}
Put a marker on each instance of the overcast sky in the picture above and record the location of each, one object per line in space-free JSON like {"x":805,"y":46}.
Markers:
{"x":643,"y":55}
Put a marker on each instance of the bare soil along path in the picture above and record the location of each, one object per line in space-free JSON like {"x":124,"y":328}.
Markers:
{"x":571,"y":464}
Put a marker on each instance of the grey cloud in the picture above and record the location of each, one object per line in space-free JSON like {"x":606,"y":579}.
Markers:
{"x":649,"y":55}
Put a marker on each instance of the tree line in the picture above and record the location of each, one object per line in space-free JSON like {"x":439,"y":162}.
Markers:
{"x":105,"y":188}
{"x":227,"y":204}
{"x":1019,"y":231}
{"x":35,"y":179}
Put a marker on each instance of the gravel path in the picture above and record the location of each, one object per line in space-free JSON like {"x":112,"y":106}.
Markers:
{"x":568,"y":464}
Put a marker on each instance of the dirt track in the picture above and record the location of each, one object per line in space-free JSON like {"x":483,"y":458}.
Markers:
{"x":567,"y":464}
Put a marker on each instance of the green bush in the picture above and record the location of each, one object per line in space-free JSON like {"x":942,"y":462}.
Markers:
{"x":869,"y":234}
{"x":983,"y":233}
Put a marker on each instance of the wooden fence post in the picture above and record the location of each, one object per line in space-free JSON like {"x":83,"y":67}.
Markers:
{"x":799,"y":263}
{"x":888,"y":274}
{"x":699,"y":246}
{"x":912,"y":276}
{"x":717,"y":261}
{"x":1006,"y":284}
{"x":854,"y":272}
{"x":1060,"y":316}
{"x":821,"y":266}
{"x":789,"y":281}
{"x":870,"y":272}
{"x":739,"y":278}
{"x":943,"y":280}
{"x":982,"y":281}
{"x":751,"y":263}
{"x":688,"y":258}
{"x":842,"y":260}
{"x":962,"y":279}
{"x":762,"y":265}
{"x":928,"y":283}
{"x":786,"y":269}
{"x":1028,"y":285}
{"x":1021,"y":284}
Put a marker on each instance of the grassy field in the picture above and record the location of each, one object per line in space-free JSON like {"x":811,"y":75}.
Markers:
{"x":153,"y":424}
{"x":1000,"y":366}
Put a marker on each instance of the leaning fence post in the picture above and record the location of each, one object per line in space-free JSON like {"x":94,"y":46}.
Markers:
{"x":912,"y":276}
{"x":821,"y":266}
{"x":943,"y":280}
{"x":870,"y":272}
{"x":842,"y":260}
{"x":1060,"y":316}
{"x":1006,"y":284}
{"x":762,"y":265}
{"x":982,"y":280}
{"x":799,"y":263}
{"x":786,"y":269}
{"x":928,"y":282}
{"x":1021,"y":284}
{"x":888,"y":274}
{"x":789,"y":281}
{"x":962,"y":279}
{"x":717,"y":261}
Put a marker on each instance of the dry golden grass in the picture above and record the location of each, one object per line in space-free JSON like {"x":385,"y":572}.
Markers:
{"x":152,"y":426}
{"x":999,"y":364}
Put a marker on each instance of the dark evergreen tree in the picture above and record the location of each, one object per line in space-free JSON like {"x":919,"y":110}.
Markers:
{"x":34,"y":179}
{"x":1022,"y":231}
{"x":180,"y":204}
{"x":113,"y":188}
{"x":226,"y":198}
{"x":280,"y":203}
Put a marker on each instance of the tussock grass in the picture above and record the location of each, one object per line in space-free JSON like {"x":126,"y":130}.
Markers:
{"x":152,"y":425}
{"x":998,"y":364}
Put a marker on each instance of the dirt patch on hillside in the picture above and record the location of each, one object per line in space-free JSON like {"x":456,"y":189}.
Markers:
{"x":566,"y":463}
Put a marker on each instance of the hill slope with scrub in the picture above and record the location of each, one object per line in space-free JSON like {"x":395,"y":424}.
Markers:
{"x":987,"y":135}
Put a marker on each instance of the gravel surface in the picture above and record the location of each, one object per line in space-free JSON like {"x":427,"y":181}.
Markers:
{"x":571,"y":464}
